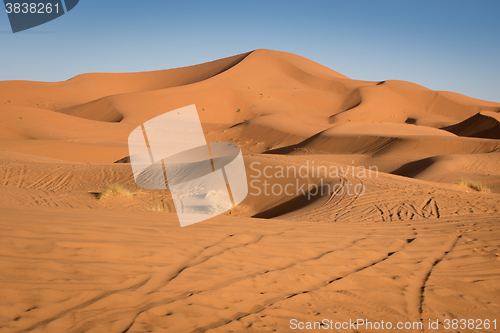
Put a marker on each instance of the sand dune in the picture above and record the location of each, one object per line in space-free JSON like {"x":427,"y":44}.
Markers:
{"x":405,"y":102}
{"x":482,"y":125}
{"x":385,"y":129}
{"x":88,"y":87}
{"x":450,"y":168}
{"x":403,"y":145}
{"x":412,"y":246}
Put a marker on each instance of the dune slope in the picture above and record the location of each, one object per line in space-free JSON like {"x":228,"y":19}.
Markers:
{"x":482,"y":125}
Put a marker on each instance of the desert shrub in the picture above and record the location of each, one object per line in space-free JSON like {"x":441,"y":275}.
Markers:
{"x":476,"y":186}
{"x":155,"y":206}
{"x":114,"y":190}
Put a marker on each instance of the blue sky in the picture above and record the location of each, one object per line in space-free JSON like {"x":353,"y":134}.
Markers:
{"x":444,"y":45}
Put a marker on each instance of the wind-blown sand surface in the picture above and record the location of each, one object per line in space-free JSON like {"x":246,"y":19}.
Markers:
{"x":413,"y":246}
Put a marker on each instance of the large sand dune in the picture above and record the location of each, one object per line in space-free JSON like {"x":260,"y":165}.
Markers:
{"x":413,"y":246}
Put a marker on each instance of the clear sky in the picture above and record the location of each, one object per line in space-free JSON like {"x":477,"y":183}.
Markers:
{"x":444,"y":45}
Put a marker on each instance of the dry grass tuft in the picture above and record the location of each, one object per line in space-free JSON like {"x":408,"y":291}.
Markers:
{"x":155,"y":206}
{"x":476,"y":186}
{"x":114,"y":190}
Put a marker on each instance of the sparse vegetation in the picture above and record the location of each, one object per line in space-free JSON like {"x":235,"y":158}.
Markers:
{"x":114,"y":190}
{"x":476,"y":186}
{"x":239,"y":110}
{"x":21,"y":118}
{"x":155,"y":206}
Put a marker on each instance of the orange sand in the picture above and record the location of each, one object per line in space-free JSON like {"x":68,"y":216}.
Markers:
{"x":414,"y":246}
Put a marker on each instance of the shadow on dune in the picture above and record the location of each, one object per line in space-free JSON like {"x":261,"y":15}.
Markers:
{"x":291,"y":205}
{"x":289,"y":149}
{"x":482,"y":125}
{"x":413,"y":168}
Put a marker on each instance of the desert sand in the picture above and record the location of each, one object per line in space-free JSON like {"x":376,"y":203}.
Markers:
{"x":417,"y":245}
